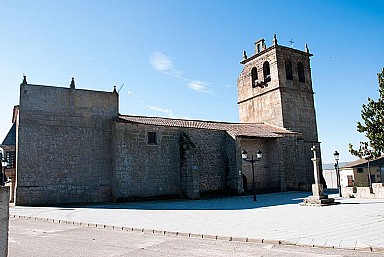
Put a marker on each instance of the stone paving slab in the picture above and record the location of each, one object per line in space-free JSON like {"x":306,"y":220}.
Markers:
{"x":275,"y":218}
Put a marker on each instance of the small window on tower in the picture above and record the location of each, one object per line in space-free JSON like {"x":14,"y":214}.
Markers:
{"x":288,"y":70}
{"x":266,"y":72}
{"x":152,"y":138}
{"x":300,"y":72}
{"x":254,"y":76}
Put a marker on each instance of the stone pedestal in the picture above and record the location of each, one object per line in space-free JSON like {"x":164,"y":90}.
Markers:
{"x":318,"y":199}
{"x":317,"y":190}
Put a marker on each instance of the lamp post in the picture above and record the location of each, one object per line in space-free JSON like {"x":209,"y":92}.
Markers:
{"x":366,"y":153}
{"x":337,"y":168}
{"x":368,"y":157}
{"x":3,"y":165}
{"x":244,"y":156}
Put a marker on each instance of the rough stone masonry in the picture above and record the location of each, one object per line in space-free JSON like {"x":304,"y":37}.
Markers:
{"x":4,"y":220}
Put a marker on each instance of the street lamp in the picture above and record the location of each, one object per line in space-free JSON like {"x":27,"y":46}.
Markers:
{"x":337,"y":168}
{"x":3,"y":165}
{"x":368,"y":157}
{"x":244,"y":156}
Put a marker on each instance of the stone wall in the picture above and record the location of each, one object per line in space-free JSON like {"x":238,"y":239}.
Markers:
{"x":4,"y":220}
{"x":296,"y":162}
{"x":64,"y":145}
{"x":364,"y":192}
{"x":234,"y":164}
{"x":211,"y":159}
{"x":141,"y":169}
{"x":206,"y":165}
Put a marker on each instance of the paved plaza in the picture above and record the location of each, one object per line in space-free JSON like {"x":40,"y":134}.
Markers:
{"x":274,"y":218}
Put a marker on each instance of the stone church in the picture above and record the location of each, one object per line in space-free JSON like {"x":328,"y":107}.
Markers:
{"x":73,"y":146}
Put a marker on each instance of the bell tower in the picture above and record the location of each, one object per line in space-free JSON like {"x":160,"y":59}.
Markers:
{"x":275,"y":87}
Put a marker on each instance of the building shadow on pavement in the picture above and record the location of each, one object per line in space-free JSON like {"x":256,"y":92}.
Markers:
{"x":218,"y":203}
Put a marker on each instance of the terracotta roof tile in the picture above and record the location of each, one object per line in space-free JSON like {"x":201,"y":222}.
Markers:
{"x":234,"y":129}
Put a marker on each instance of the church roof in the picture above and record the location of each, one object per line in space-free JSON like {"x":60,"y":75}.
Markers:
{"x":261,"y":130}
{"x":10,"y":139}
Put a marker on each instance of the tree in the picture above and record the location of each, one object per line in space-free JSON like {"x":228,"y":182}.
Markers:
{"x":373,"y":124}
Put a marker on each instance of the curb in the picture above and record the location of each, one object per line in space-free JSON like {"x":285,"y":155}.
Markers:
{"x":200,"y":236}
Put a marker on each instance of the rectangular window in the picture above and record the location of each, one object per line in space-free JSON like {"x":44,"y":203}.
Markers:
{"x":11,"y":159}
{"x":360,"y":170}
{"x":152,"y":138}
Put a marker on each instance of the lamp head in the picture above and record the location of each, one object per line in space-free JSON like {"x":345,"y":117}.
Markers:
{"x":244,"y":155}
{"x":259,"y":154}
{"x":336,"y":155}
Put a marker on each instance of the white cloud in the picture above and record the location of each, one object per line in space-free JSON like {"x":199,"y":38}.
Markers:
{"x":199,"y":86}
{"x":166,"y":111}
{"x":160,"y":61}
{"x":163,"y":63}
{"x":159,"y":109}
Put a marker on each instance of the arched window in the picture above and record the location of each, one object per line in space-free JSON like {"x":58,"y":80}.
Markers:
{"x":300,"y":72}
{"x":254,"y":76}
{"x":266,"y":72}
{"x":288,"y":70}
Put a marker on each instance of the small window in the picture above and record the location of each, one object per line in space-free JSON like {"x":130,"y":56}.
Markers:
{"x":288,"y":70}
{"x":266,"y":72}
{"x":254,"y":76}
{"x":360,"y":170}
{"x":152,"y":138}
{"x":300,"y":72}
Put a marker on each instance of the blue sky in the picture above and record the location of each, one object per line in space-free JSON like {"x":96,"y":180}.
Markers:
{"x":180,"y":58}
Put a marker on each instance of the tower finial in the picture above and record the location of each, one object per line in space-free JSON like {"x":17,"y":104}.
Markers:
{"x":306,"y":48}
{"x":114,"y":89}
{"x":245,"y":55}
{"x":72,"y":83}
{"x":24,"y":80}
{"x":274,"y":42}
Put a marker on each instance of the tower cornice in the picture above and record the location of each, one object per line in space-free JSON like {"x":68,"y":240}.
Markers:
{"x":270,"y":49}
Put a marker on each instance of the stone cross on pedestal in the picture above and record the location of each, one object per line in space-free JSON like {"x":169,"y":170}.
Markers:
{"x":317,"y":188}
{"x":315,"y":165}
{"x":317,"y":198}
